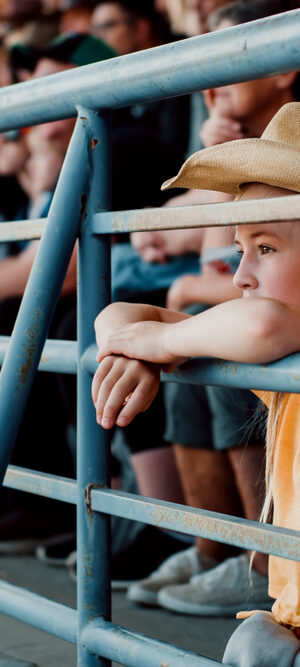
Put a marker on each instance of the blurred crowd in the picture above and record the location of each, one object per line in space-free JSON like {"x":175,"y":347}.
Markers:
{"x":190,"y":446}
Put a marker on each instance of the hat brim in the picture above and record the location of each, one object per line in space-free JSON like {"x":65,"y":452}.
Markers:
{"x":225,"y":167}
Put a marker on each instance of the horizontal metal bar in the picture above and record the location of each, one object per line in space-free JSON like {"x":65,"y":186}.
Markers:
{"x":277,"y":209}
{"x":249,"y":51}
{"x":59,"y":356}
{"x":42,"y":484}
{"x":282,"y":375}
{"x":22,"y":230}
{"x":134,"y":649}
{"x":198,"y":522}
{"x":38,"y":611}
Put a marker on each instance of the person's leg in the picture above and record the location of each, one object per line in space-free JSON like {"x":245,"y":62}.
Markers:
{"x":157,"y":474}
{"x":206,"y":475}
{"x":223,"y":590}
{"x":208,"y":483}
{"x":261,"y":641}
{"x":238,"y":431}
{"x":248,"y":465}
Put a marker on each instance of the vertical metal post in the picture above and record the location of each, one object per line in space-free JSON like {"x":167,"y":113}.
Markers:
{"x":93,"y":443}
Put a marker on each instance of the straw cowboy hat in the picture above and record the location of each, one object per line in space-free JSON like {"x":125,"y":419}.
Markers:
{"x":273,"y":159}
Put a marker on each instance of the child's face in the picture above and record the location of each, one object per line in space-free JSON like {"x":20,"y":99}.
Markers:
{"x":270,"y":253}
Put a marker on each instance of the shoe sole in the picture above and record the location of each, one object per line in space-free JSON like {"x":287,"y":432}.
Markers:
{"x":142,"y":596}
{"x":181,"y":607}
{"x":41,"y":551}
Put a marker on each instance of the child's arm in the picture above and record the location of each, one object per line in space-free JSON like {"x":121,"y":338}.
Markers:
{"x":251,"y":330}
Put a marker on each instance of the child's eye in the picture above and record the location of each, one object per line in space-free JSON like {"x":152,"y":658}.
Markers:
{"x":265,"y":249}
{"x":239,"y":251}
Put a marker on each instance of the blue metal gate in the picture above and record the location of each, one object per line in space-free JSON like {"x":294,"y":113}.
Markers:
{"x":250,"y":51}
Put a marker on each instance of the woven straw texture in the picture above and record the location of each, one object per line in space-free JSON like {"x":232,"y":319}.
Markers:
{"x":273,"y":159}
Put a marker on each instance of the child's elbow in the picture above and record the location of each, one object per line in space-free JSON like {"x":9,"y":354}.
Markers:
{"x":271,"y":331}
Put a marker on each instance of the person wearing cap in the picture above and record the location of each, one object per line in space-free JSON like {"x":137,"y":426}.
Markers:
{"x":262,"y":326}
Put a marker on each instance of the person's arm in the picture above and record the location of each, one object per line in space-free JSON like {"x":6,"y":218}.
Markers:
{"x":250,"y":330}
{"x":15,"y":270}
{"x":210,"y":288}
{"x":254,"y":330}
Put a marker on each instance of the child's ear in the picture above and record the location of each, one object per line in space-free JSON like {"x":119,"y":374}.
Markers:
{"x":287,"y":80}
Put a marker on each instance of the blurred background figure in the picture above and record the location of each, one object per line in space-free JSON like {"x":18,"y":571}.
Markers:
{"x":24,"y":21}
{"x":76,"y":15}
{"x":130,"y":25}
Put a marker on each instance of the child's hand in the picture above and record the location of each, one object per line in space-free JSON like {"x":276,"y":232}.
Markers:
{"x":122,"y":388}
{"x":147,"y":341}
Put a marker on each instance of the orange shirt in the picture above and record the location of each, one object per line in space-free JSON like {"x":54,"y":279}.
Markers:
{"x":284,"y":575}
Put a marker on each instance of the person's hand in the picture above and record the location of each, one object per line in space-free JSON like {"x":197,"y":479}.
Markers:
{"x":181,"y":293}
{"x":218,"y":129}
{"x":150,"y":245}
{"x":146,"y":341}
{"x":122,"y":388}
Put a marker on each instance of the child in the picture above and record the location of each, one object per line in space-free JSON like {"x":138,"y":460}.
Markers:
{"x":135,"y":341}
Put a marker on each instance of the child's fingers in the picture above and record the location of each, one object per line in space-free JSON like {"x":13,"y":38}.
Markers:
{"x":140,"y":399}
{"x":113,"y":396}
{"x":99,"y":376}
{"x":106,"y":388}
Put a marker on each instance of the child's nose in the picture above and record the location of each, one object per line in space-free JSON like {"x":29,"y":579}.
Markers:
{"x":244,"y":278}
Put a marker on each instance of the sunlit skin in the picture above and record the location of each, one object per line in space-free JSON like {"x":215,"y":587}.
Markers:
{"x":269,"y":264}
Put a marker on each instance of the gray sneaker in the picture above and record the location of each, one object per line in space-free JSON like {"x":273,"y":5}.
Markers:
{"x":177,"y":569}
{"x":222,"y":591}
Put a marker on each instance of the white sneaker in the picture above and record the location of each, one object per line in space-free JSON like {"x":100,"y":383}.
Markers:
{"x":177,"y":569}
{"x":222,"y":591}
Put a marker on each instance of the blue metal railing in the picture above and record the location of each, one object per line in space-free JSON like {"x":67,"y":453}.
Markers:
{"x":250,"y":51}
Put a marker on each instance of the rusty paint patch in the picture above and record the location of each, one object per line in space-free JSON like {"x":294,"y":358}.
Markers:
{"x":94,"y":143}
{"x":29,"y":347}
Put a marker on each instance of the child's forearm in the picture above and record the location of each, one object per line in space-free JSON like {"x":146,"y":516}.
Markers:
{"x":251,"y":330}
{"x":117,"y":315}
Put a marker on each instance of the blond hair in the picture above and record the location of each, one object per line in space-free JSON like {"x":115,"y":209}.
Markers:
{"x":275,"y":410}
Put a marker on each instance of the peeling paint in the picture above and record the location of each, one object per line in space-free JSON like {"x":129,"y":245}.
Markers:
{"x":94,"y":143}
{"x":29,"y":347}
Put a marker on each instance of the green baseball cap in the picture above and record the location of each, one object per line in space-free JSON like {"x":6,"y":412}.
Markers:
{"x":77,"y":48}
